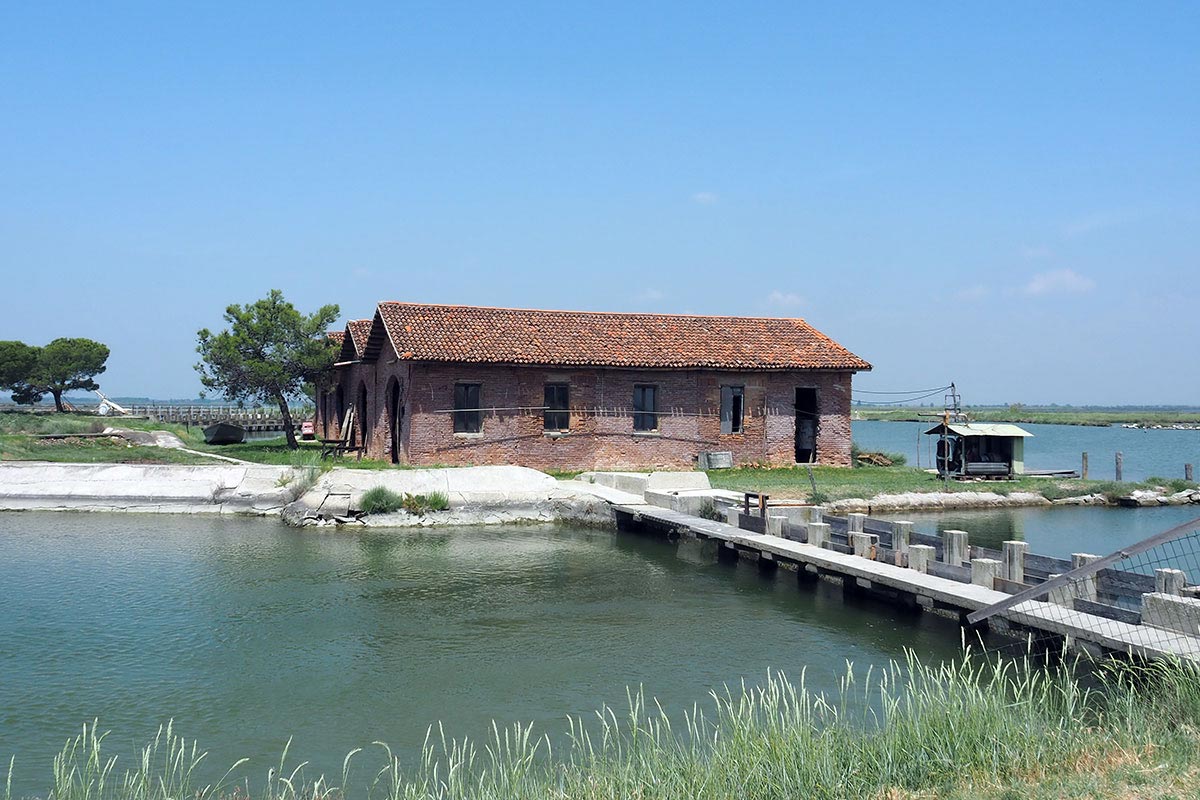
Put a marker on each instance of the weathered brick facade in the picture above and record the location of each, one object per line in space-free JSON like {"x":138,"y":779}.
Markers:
{"x":601,"y":434}
{"x":399,"y":372}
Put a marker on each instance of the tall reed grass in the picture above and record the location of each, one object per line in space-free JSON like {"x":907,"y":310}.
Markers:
{"x":908,"y":728}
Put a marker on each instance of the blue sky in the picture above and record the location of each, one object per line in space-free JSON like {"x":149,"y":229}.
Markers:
{"x":1004,"y":195}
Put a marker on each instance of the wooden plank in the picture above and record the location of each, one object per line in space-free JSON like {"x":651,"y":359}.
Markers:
{"x":1047,"y":564}
{"x":1108,"y":612}
{"x":1010,"y":587}
{"x":950,"y":571}
{"x":1122,"y":582}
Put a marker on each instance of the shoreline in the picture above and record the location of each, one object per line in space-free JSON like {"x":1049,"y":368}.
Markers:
{"x":478,"y":495}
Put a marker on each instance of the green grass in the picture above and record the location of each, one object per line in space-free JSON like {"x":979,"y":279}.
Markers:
{"x":973,"y":728}
{"x":380,"y":500}
{"x":839,"y":483}
{"x":90,"y":451}
{"x":1042,"y":415}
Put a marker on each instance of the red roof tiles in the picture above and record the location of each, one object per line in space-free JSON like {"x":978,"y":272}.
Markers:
{"x":473,"y":334}
{"x":359,"y":330}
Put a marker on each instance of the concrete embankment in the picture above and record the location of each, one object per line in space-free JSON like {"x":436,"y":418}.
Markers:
{"x":232,"y":489}
{"x":478,"y":495}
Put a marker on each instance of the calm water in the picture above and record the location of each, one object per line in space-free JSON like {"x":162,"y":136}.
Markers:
{"x":1056,"y":531}
{"x":248,"y":632}
{"x":1147,"y":453}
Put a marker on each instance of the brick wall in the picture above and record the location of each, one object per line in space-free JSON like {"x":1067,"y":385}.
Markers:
{"x":601,"y":431}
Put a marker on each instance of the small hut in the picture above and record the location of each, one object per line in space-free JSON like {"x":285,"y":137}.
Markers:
{"x":979,"y":450}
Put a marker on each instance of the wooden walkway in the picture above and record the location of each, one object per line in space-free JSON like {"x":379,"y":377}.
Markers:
{"x":1089,"y":632}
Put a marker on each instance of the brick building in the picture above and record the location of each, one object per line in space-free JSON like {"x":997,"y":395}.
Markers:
{"x":437,"y":384}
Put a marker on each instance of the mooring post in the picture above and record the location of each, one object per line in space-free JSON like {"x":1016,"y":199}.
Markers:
{"x":901,"y":534}
{"x":1169,"y":581}
{"x":818,"y":533}
{"x":984,"y":572}
{"x":1083,"y":472}
{"x":954,"y":547}
{"x":919,"y":556}
{"x":1085,"y":587}
{"x":775,"y":523}
{"x":864,"y":544}
{"x":1014,"y":561}
{"x":1187,"y":472}
{"x":1120,"y":466}
{"x":816,"y":513}
{"x":855,"y":523}
{"x":1062,"y":595}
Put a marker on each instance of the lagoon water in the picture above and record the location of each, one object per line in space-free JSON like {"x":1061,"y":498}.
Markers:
{"x":247,"y":632}
{"x":1146,"y":453}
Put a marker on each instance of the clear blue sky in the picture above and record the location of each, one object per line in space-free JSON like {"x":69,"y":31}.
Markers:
{"x":1005,"y":195}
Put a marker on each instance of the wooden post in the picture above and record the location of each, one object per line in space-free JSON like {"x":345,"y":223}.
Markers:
{"x":1187,"y":472}
{"x":1063,"y":595}
{"x":855,"y":522}
{"x":919,"y":556}
{"x":1169,"y":581}
{"x":901,"y":534}
{"x":1083,"y":472}
{"x":1014,"y":561}
{"x":984,"y":572}
{"x":816,"y":513}
{"x":864,"y":544}
{"x":1120,"y":465}
{"x":954,"y":547}
{"x":818,"y":533}
{"x":1084,"y":587}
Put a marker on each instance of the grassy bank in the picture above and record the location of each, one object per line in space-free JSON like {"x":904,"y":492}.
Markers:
{"x":1037,"y":414}
{"x":837,"y":483}
{"x":19,"y":441}
{"x":974,"y":729}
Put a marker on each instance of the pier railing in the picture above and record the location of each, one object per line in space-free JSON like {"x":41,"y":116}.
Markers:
{"x":1117,"y":592}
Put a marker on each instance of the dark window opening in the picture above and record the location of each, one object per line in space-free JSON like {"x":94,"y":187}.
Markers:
{"x":557,"y":416}
{"x":733,"y":407}
{"x":807,"y":424}
{"x":645,"y":408}
{"x":468,"y":417}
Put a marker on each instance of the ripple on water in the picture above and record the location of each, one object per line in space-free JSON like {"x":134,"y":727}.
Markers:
{"x":248,"y":632}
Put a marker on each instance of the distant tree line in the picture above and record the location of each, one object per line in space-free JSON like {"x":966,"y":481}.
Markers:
{"x":64,"y":365}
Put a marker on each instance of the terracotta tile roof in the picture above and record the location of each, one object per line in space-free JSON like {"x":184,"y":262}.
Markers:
{"x":359,"y":330}
{"x":336,"y":336}
{"x":473,"y":334}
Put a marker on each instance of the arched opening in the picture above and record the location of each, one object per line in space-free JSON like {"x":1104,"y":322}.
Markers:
{"x":361,"y":413}
{"x":395,"y":415}
{"x":340,"y":410}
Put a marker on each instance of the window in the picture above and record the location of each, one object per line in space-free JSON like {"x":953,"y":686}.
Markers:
{"x":733,"y":406}
{"x":557,"y":416}
{"x":467,"y":416}
{"x":645,"y":408}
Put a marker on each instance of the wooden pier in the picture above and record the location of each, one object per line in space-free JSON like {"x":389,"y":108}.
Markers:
{"x":1101,"y":615}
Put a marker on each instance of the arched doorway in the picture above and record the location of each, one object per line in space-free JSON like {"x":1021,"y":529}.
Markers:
{"x":361,"y":413}
{"x":395,"y":415}
{"x":340,"y":409}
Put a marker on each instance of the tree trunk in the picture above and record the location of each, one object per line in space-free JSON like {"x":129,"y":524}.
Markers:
{"x":58,"y":406}
{"x":289,"y":430}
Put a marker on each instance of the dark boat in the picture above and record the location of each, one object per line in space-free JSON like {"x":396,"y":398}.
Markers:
{"x":224,"y":433}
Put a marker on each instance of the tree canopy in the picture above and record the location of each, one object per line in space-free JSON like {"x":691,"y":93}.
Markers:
{"x":64,"y":365}
{"x":17,"y":361}
{"x":268,"y":353}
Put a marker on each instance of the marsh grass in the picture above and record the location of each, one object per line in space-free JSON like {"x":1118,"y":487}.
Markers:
{"x":973,"y":727}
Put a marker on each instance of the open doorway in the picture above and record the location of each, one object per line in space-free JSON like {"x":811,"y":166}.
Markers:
{"x":806,"y":426}
{"x":395,"y":412}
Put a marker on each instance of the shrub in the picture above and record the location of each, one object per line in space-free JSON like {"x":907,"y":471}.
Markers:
{"x":709,"y":510}
{"x":380,"y":500}
{"x":424,"y":503}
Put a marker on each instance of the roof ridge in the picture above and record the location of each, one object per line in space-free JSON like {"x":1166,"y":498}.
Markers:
{"x":577,"y":311}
